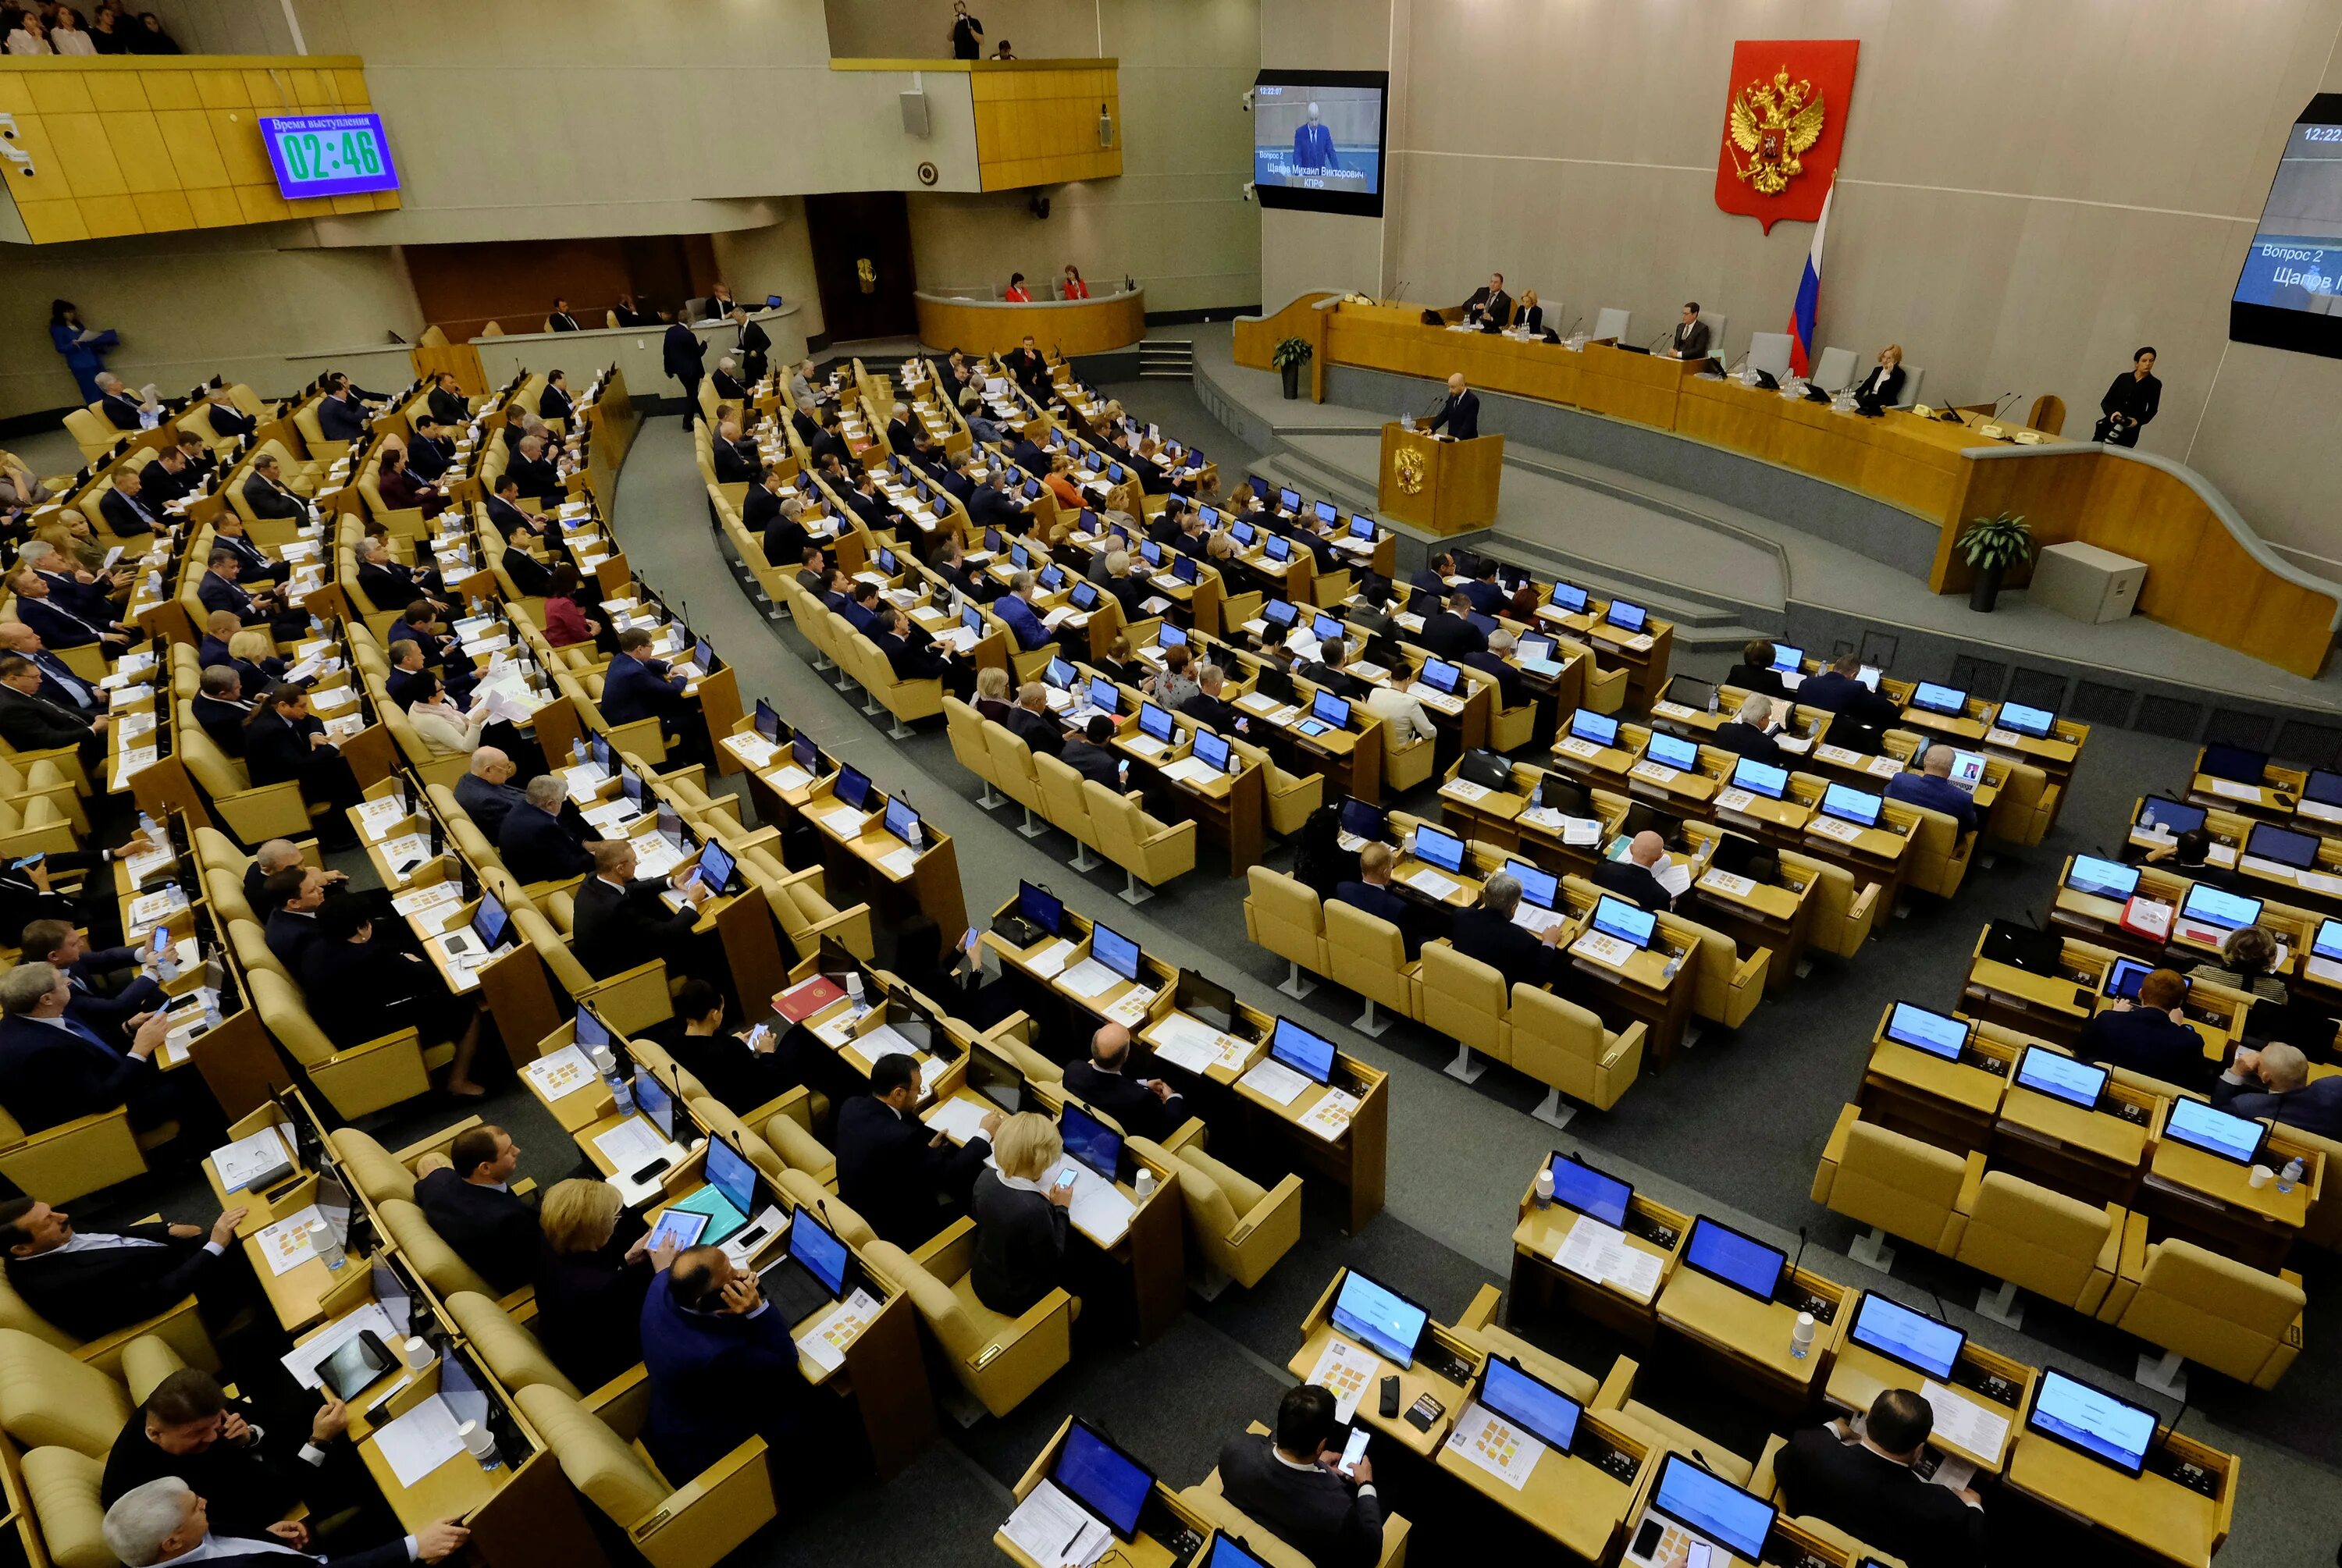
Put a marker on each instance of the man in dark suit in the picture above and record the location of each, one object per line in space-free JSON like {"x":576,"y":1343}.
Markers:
{"x":121,"y":410}
{"x":249,"y":1477}
{"x":1490,"y":305}
{"x":755,"y":346}
{"x":298,"y":892}
{"x":1450,"y":635}
{"x":1145,"y":1107}
{"x":828,"y":442}
{"x":992,"y":506}
{"x":60,"y":627}
{"x":340,"y":417}
{"x":734,"y":457}
{"x":1433,"y":577}
{"x":1460,"y":415}
{"x":539,"y":475}
{"x":506,"y":515}
{"x":923,"y":660}
{"x":166,"y":477}
{"x":535,"y":844}
{"x":1496,"y":661}
{"x":53,"y":1068}
{"x":1091,"y":752}
{"x":285,"y":742}
{"x":265,"y":493}
{"x":1207,"y":706}
{"x":746,"y":1077}
{"x":32,"y":723}
{"x":1636,"y":878}
{"x":99,"y":1005}
{"x":466,"y":1195}
{"x":219,"y":590}
{"x":1839,"y":689}
{"x":1289,"y":1485}
{"x":530,"y":577}
{"x":222,"y":709}
{"x":902,"y":431}
{"x":227,"y":419}
{"x":486,"y":792}
{"x":1488,"y":594}
{"x":1930,"y":786}
{"x":554,"y":402}
{"x":2274,"y":1081}
{"x":449,"y":407}
{"x":635,"y":687}
{"x":721,"y":1368}
{"x":1371,"y":891}
{"x":1859,"y":1477}
{"x":86,"y":594}
{"x":779,"y":517}
{"x":129,"y":510}
{"x":561,"y":320}
{"x":429,"y":455}
{"x":621,"y":923}
{"x":90,"y":1283}
{"x":1026,"y":363}
{"x":1691,"y":333}
{"x":411,"y":678}
{"x":1488,"y":932}
{"x":686,"y":358}
{"x":1751,"y":733}
{"x":1029,"y":721}
{"x":60,"y":683}
{"x":166,"y":1521}
{"x":1327,"y":670}
{"x":253,"y":564}
{"x":890,"y":1171}
{"x":861,"y":610}
{"x":2150,"y":1035}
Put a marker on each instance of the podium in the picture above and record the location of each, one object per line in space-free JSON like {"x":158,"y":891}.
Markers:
{"x":1440,"y":486}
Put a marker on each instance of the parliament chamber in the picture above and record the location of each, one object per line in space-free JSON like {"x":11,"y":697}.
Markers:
{"x":942,"y":826}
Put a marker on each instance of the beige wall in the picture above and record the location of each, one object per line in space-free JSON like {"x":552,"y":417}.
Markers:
{"x":1303,"y":251}
{"x":773,"y":259}
{"x":1038,"y":29}
{"x":2027,"y":196}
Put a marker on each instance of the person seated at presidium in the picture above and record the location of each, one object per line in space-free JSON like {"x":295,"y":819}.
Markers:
{"x":1690,"y":338}
{"x":1288,"y":1482}
{"x":1883,"y":388}
{"x":1490,"y":306}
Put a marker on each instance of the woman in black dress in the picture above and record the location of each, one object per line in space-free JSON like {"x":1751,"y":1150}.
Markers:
{"x":2129,"y":403}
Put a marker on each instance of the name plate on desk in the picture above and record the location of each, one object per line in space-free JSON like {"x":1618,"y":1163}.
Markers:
{"x":1673,"y":711}
{"x":1738,"y":800}
{"x":1464,"y":790}
{"x":1655,"y":773}
{"x":1602,"y":948}
{"x":2150,"y":917}
{"x":1838,"y":756}
{"x":1831,"y":827}
{"x":1726,"y":882}
{"x":2319,"y":882}
{"x":2195,"y":931}
{"x":1580,"y":748}
{"x":2229,"y":789}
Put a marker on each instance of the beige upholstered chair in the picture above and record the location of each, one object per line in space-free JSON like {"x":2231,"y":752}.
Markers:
{"x":2033,"y":1238}
{"x":1285,"y":916}
{"x":1149,"y":852}
{"x":998,"y":1359}
{"x":357,"y":1082}
{"x":429,"y":1254}
{"x":1896,"y":1184}
{"x":1469,"y":1001}
{"x":1566,"y":1047}
{"x":1288,"y":799}
{"x":1240,"y":1228}
{"x":695,"y":1522}
{"x":965,"y":726}
{"x":2196,"y":1305}
{"x":1013,"y":773}
{"x":1368,"y":956}
{"x":1067,"y":808}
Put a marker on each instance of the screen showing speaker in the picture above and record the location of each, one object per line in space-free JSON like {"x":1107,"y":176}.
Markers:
{"x":1317,"y":140}
{"x":2289,"y":292}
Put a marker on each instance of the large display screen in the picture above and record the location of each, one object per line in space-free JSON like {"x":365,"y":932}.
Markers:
{"x":328,"y":154}
{"x":1317,"y":140}
{"x":2289,"y":292}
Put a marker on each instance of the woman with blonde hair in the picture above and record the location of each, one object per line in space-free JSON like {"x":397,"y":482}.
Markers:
{"x":1020,"y":1216}
{"x":590,"y":1284}
{"x":20,"y":486}
{"x":253,"y":652}
{"x":992,"y":694}
{"x":69,"y":534}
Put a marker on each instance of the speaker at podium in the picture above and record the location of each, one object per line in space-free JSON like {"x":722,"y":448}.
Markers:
{"x":1437,"y":484}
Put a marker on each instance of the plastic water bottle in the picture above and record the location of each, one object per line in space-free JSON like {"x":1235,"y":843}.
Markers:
{"x":1801,"y":1338}
{"x":1714,"y":700}
{"x":2288,"y":1178}
{"x":211,"y":1009}
{"x":606,"y":1061}
{"x":149,"y":830}
{"x":316,"y":626}
{"x":577,"y":753}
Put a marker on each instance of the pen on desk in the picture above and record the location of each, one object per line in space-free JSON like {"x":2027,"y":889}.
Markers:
{"x":1076,"y":1536}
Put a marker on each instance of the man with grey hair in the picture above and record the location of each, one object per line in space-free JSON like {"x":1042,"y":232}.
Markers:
{"x":1014,"y":610}
{"x":1208,"y":706}
{"x":165,"y":1521}
{"x":537,"y":845}
{"x":2274,"y":1081}
{"x":391,"y":584}
{"x":902,"y":431}
{"x":273,"y":855}
{"x":538,"y":475}
{"x":1489,"y":933}
{"x":1029,"y":720}
{"x":485,"y":792}
{"x":1751,"y":734}
{"x":734,"y":459}
{"x":121,"y":410}
{"x":55,"y":1069}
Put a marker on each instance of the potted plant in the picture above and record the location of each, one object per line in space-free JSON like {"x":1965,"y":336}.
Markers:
{"x":1990,"y":547}
{"x":1290,"y":355}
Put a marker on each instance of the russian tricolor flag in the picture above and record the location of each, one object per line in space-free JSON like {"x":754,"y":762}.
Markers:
{"x":1809,"y":293}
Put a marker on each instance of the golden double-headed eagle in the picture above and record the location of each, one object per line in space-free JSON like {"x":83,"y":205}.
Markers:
{"x":1773,"y":123}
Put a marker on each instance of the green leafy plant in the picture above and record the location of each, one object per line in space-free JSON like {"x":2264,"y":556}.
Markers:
{"x":1291,"y":351}
{"x":1997,"y":543}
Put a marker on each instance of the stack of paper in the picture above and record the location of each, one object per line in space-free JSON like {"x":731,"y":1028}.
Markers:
{"x":563,"y":1073}
{"x":1088,"y":978}
{"x":1191,"y":769}
{"x":1431,"y":882}
{"x":253,"y":1161}
{"x":1600,"y":1252}
{"x":1329,"y":1118}
{"x":1274,"y":1081}
{"x":1131,"y":1005}
{"x":1963,"y":1422}
{"x":1051,"y":1529}
{"x":824,"y":1343}
{"x":957,"y":1119}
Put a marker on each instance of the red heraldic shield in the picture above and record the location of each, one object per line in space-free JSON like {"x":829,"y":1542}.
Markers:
{"x":1784,"y":122}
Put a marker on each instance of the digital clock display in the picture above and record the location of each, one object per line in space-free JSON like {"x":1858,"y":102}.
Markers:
{"x":328,"y":154}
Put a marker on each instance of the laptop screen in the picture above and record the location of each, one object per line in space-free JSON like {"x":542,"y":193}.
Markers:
{"x":1084,"y":595}
{"x":1328,"y":709}
{"x":2217,"y":906}
{"x":2237,"y":763}
{"x":2102,"y":878}
{"x":1275,"y":548}
{"x":1569,"y":596}
{"x":811,"y":1244}
{"x":1103,"y":1479}
{"x":901,"y":820}
{"x":1538,"y":885}
{"x":1590,"y":1191}
{"x":1382,"y":1319}
{"x":1328,"y":512}
{"x":2327,"y":942}
{"x":1546,"y":1413}
{"x":2124,"y":974}
{"x":1045,"y":910}
{"x":1361,"y":820}
{"x":1324,"y":628}
{"x":1935,"y":699}
{"x":1288,"y":499}
{"x":1103,"y":695}
{"x":1920,"y":1341}
{"x":1060,"y":674}
{"x":1090,"y":1141}
{"x":2323,"y":787}
{"x":1760,"y":778}
{"x":730,"y":1174}
{"x":1624,"y":617}
{"x":651,"y":1099}
{"x":768,"y":722}
{"x":1736,"y":1520}
{"x":1617,"y":918}
{"x":1925,"y":1030}
{"x":1213,"y":751}
{"x":1440,"y":676}
{"x":1279,"y":613}
{"x":1443,"y":850}
{"x":1361,"y":526}
{"x":853,"y":787}
{"x":2110,"y":1430}
{"x":488,"y":921}
{"x":1155,"y":722}
{"x":1588,"y":725}
{"x":2061,"y":1077}
{"x":1310,"y":1055}
{"x":2025,"y":721}
{"x":1169,"y":637}
{"x":1786,"y":657}
{"x":1184,"y":568}
{"x":1967,"y":769}
{"x":1851,"y":805}
{"x":2282,"y":844}
{"x":1674,"y":751}
{"x":2197,"y":1124}
{"x":1116,"y":950}
{"x":1741,"y":1261}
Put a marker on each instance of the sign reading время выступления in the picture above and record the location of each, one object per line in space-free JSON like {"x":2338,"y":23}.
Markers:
{"x":328,"y":154}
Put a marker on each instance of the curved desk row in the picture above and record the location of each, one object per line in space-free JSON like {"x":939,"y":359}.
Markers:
{"x":1066,"y":326}
{"x":486,"y":362}
{"x":2207,"y":572}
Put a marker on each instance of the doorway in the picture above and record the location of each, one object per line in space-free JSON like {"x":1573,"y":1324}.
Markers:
{"x":862,"y":262}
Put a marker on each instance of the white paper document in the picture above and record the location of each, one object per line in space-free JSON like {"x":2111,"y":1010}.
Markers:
{"x":240,"y":1164}
{"x":2229,"y":789}
{"x":1346,"y":1372}
{"x":632,"y":1144}
{"x":285,"y":1244}
{"x":958,"y":1119}
{"x":563,"y":1073}
{"x":1191,"y":771}
{"x":1051,"y":1529}
{"x":1431,"y":882}
{"x":1601,"y":1253}
{"x":885,"y":1041}
{"x":900,"y":861}
{"x":1272,"y":1080}
{"x":1088,"y":978}
{"x":1196,"y":1045}
{"x":824,"y":1343}
{"x":419,"y":1442}
{"x":1495,"y":1446}
{"x":1963,"y":1422}
{"x":1329,"y":1118}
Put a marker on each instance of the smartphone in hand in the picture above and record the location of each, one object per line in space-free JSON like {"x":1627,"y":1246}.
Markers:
{"x":1352,"y":1451}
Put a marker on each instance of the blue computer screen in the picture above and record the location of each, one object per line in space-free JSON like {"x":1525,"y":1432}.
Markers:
{"x":2194,"y":1122}
{"x":1440,"y":849}
{"x":1914,"y":1339}
{"x":1309,"y":1055}
{"x":2025,"y":721}
{"x":822,"y":1254}
{"x":1617,"y":918}
{"x":653,"y":1100}
{"x":2061,"y":1077}
{"x":730,"y":1174}
{"x":1116,"y":950}
{"x":2102,"y":878}
{"x":1624,"y":617}
{"x":1760,"y":778}
{"x":1851,"y":805}
{"x":1674,"y":751}
{"x":1155,"y":722}
{"x":1715,"y":1507}
{"x":1935,"y":699}
{"x":1546,"y":1413}
{"x":1590,"y":1191}
{"x":1925,"y":1030}
{"x":1090,"y":1141}
{"x":1538,"y":885}
{"x":1736,"y":1259}
{"x":2217,"y":906}
{"x":1383,"y":1320}
{"x":1102,"y":1480}
{"x":1588,"y":725}
{"x":2092,"y":1420}
{"x":1212,"y":749}
{"x":2177,"y":815}
{"x":1328,"y":709}
{"x":1105,"y":695}
{"x":1570,"y":597}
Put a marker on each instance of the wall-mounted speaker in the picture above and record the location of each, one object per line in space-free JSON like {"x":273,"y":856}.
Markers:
{"x":915,"y":113}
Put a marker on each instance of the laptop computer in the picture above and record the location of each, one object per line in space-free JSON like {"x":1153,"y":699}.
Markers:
{"x":1691,"y":1506}
{"x":809,"y":1274}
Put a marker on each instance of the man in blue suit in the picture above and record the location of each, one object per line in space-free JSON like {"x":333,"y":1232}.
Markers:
{"x":1372,"y":892}
{"x":1930,"y":786}
{"x":1016,"y":610}
{"x":1313,"y":144}
{"x":53,"y":1070}
{"x":1488,"y":594}
{"x":60,"y":683}
{"x":105,"y":1012}
{"x":535,"y":843}
{"x":61,"y":627}
{"x":722,"y":1367}
{"x":635,"y":687}
{"x":219,"y":590}
{"x":2274,"y":1081}
{"x":684,"y":358}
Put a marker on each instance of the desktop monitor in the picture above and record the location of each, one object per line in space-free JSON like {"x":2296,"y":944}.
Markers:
{"x":768,"y":722}
{"x":1929,"y":698}
{"x":1544,"y":1413}
{"x":1184,"y":568}
{"x":1103,"y":1479}
{"x":1440,"y":675}
{"x":1742,"y":1261}
{"x":1616,"y":917}
{"x":1330,"y":710}
{"x":2110,"y":1430}
{"x":2283,"y":846}
{"x":1857,"y":807}
{"x":1327,"y":513}
{"x":1116,"y":950}
{"x":2124,"y":974}
{"x":1216,"y":752}
{"x":1275,"y":548}
{"x":1913,"y":1339}
{"x":995,"y":1079}
{"x":2327,"y":942}
{"x":590,"y":1034}
{"x":2102,"y":878}
{"x":1933,"y":1033}
{"x":2217,"y":906}
{"x":1703,"y":1502}
{"x":2323,"y":787}
{"x":1288,"y":499}
{"x":816,"y":1246}
{"x":1674,"y":751}
{"x":1624,"y":617}
{"x":901,"y":820}
{"x":1311,"y":1055}
{"x":1361,"y":526}
{"x":1381,"y":1319}
{"x":653,"y":1101}
{"x":2059,"y":1077}
{"x":1568,"y":598}
{"x":1788,"y":658}
{"x":1043,"y":908}
{"x":853,"y":786}
{"x":1090,"y":1141}
{"x":1437,"y":847}
{"x":490,"y":922}
{"x":1105,"y":695}
{"x":1361,"y":820}
{"x":2238,"y":764}
{"x":1539,"y":886}
{"x":1586,"y":725}
{"x":2035,"y":722}
{"x":730,"y":1174}
{"x":2198,"y":1125}
{"x":1156,"y":722}
{"x":1760,"y":778}
{"x":1580,"y":1186}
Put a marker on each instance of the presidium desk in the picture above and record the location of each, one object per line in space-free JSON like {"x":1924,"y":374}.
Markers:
{"x":2207,"y":573}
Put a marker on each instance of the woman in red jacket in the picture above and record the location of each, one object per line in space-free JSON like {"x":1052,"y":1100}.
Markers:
{"x":1075,"y":288}
{"x":1016,"y":289}
{"x":565,"y":620}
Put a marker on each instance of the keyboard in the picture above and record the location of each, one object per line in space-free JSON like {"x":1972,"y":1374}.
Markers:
{"x":1999,"y":1390}
{"x":1650,"y":1229}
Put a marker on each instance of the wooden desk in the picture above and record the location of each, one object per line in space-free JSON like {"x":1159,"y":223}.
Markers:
{"x":2204,"y":1198}
{"x":1580,"y":1506}
{"x":2154,"y":1517}
{"x":1537,"y":1281}
{"x":1751,"y":1338}
{"x":1317,"y":1332}
{"x":1143,"y":1551}
{"x":1858,"y":1375}
{"x":2092,"y":1154}
{"x":987,"y":326}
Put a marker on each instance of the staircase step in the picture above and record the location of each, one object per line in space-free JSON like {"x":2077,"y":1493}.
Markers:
{"x":1687,"y":607}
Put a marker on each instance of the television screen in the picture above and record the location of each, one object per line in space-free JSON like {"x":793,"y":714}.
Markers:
{"x":1317,"y":140}
{"x":2292,"y":273}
